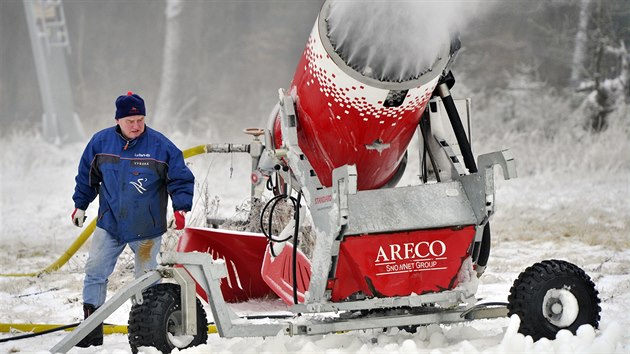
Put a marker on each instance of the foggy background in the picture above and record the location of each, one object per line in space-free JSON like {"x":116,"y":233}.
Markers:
{"x":233,"y":56}
{"x":548,"y":79}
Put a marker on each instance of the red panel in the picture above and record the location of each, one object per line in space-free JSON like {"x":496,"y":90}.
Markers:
{"x":278,"y":273}
{"x":243,"y":253}
{"x":400,"y":264}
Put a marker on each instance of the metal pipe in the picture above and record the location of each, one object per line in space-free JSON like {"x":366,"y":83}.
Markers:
{"x":458,"y":128}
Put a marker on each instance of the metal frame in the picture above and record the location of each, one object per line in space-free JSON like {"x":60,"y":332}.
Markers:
{"x":204,"y":268}
{"x":208,"y":273}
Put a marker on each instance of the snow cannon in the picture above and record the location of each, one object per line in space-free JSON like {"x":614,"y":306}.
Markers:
{"x":360,"y":92}
{"x":339,"y":138}
{"x":329,"y":231}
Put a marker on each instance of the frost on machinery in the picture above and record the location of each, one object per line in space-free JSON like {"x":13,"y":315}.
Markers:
{"x":383,"y":256}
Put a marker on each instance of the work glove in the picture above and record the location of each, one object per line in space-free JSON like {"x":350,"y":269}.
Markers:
{"x":78,"y":217}
{"x":180,"y":219}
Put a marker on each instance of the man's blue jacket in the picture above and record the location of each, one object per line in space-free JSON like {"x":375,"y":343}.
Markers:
{"x":133,"y":179}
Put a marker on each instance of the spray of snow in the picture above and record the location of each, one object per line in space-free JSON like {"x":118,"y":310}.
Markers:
{"x":467,"y":278}
{"x":396,"y":40}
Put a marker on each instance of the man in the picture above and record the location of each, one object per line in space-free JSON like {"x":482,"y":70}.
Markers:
{"x":133,"y":169}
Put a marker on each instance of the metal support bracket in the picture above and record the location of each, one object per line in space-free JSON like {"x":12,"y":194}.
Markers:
{"x":208,"y":273}
{"x":479,"y":186}
{"x":344,"y":184}
{"x":104,"y":311}
{"x":486,"y":165}
{"x":444,"y":316}
{"x":188,"y":299}
{"x":503,"y":158}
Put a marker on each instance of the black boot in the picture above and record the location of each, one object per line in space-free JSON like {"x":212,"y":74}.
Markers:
{"x":96,"y":336}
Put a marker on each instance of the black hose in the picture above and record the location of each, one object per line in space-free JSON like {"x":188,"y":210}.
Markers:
{"x":268,"y":232}
{"x":270,"y":222}
{"x":269,"y":184}
{"x":296,"y":231}
{"x":423,"y":164}
{"x":35,"y":334}
{"x":72,"y":325}
{"x":30,"y":335}
{"x":423,"y":129}
{"x":456,"y":122}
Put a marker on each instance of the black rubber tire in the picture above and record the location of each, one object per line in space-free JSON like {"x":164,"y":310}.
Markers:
{"x":149,"y":322}
{"x":527,"y":297}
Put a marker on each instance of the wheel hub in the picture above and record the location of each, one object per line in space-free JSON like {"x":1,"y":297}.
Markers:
{"x":175,"y":323}
{"x":175,"y":331}
{"x":560,"y":307}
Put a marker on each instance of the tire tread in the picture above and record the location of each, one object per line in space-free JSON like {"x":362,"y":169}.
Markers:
{"x":534,"y":282}
{"x":146,"y":319}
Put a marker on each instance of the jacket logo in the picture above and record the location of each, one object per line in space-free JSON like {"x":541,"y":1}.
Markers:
{"x":139,"y":186}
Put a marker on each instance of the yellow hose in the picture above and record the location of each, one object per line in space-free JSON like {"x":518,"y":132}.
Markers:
{"x":74,"y":247}
{"x":197,"y":150}
{"x":35,"y":328}
{"x":200,"y":149}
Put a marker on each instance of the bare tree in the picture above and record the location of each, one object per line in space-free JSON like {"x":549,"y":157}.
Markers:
{"x":581,"y":38}
{"x":607,"y":88}
{"x":172,"y":38}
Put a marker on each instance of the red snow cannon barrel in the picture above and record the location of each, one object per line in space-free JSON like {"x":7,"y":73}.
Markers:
{"x":361,"y":87}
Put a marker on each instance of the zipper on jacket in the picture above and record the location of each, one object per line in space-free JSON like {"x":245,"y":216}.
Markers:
{"x":103,"y":214}
{"x":126,"y":145}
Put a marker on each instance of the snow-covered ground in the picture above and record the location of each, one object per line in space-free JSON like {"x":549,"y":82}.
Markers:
{"x":581,"y":218}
